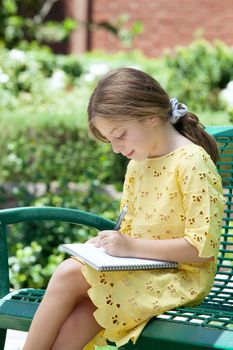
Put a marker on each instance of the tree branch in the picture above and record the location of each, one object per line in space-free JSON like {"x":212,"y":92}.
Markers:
{"x":39,"y":18}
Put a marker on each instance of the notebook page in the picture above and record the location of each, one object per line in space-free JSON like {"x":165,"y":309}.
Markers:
{"x":98,"y":258}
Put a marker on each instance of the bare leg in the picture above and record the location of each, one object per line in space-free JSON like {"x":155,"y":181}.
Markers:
{"x":79,"y":328}
{"x":65,"y":289}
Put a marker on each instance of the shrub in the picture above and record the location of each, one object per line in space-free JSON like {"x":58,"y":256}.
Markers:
{"x":198,"y":72}
{"x":34,"y":252}
{"x":30,"y":74}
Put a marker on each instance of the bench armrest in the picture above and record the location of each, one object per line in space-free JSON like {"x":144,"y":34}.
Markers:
{"x":28,"y":214}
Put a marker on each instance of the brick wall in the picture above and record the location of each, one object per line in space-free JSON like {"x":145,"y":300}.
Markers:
{"x":167,"y":23}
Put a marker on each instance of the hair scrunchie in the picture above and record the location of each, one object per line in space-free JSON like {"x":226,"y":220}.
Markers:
{"x":178,"y":110}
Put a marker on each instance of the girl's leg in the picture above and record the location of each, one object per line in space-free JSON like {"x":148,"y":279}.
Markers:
{"x":79,"y":328}
{"x":65,"y":289}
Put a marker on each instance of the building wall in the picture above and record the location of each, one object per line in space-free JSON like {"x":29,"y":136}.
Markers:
{"x":167,"y":23}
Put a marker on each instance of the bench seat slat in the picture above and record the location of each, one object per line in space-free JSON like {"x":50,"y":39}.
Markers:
{"x":18,"y":309}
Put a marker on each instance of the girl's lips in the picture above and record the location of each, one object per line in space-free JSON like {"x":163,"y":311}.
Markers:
{"x":129,"y":155}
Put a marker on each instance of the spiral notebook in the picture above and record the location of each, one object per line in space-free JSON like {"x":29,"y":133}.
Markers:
{"x":100,"y":260}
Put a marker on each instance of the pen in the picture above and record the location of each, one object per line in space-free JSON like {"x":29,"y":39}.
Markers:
{"x":121,"y":217}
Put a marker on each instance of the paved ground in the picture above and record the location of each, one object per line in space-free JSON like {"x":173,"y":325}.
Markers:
{"x":15,"y":340}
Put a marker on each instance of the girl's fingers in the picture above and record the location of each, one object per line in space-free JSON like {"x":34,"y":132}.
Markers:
{"x":91,"y":240}
{"x":102,"y":234}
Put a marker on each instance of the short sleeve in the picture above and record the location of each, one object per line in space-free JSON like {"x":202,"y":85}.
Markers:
{"x":203,"y":203}
{"x":128,"y":198}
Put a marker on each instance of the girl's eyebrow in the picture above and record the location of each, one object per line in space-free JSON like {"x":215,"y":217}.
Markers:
{"x":113,"y":130}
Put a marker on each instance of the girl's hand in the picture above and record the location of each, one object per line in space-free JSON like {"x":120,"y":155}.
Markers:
{"x":91,"y":240}
{"x":114,"y":243}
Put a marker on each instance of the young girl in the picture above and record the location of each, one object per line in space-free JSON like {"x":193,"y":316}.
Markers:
{"x":175,"y":201}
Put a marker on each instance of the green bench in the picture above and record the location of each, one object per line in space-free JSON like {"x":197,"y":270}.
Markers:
{"x":207,"y":326}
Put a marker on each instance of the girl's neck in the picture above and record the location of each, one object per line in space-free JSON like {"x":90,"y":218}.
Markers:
{"x":169,"y":140}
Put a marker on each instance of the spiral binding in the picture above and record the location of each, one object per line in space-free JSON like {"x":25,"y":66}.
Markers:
{"x":162,"y":265}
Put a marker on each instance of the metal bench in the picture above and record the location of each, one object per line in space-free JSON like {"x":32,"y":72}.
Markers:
{"x":207,"y":326}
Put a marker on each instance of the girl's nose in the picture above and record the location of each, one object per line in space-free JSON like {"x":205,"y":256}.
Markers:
{"x":115,"y":147}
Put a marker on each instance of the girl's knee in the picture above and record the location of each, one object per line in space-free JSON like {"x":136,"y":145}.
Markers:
{"x":69,"y":274}
{"x":69,"y":268}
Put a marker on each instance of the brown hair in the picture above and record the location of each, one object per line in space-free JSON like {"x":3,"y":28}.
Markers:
{"x":129,"y":93}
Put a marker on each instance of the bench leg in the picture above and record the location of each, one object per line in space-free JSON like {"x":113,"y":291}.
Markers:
{"x":2,"y":338}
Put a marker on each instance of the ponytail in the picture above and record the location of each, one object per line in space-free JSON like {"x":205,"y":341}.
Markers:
{"x":190,"y":127}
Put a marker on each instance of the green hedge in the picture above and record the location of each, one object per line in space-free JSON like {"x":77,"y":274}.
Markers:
{"x":57,"y":152}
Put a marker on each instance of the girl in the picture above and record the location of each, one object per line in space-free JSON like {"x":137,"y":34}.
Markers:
{"x":175,"y":201}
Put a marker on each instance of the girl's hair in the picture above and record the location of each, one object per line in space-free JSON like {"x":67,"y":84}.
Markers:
{"x":127,"y":93}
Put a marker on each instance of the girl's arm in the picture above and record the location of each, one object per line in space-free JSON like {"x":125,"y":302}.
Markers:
{"x":177,"y":249}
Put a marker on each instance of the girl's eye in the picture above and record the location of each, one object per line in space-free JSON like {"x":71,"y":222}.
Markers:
{"x":122,"y":135}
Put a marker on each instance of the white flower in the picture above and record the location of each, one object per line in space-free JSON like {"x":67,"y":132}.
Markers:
{"x":98,"y":69}
{"x":89,"y":77}
{"x":230,"y":86}
{"x":4,"y":78}
{"x":17,"y":55}
{"x":14,"y":159}
{"x":226,"y":95}
{"x":58,"y":80}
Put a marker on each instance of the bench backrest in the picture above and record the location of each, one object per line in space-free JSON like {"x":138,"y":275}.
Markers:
{"x":222,"y":290}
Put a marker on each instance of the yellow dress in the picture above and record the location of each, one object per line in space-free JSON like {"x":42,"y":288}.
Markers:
{"x":172,"y":196}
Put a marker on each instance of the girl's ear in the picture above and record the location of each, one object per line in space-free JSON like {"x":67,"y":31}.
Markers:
{"x":154,"y":121}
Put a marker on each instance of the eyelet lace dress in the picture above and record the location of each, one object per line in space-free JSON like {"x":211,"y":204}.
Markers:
{"x":172,"y":196}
